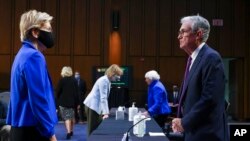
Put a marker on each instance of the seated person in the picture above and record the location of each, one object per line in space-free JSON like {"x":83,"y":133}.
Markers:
{"x":4,"y":129}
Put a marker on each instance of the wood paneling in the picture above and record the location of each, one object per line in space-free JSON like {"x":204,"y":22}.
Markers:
{"x":239,"y":26}
{"x":179,"y":11}
{"x":5,"y":26}
{"x":35,"y":4}
{"x":165,"y":30}
{"x":224,"y":33}
{"x":55,"y":65}
{"x":171,"y":70}
{"x":5,"y":72}
{"x":150,"y":28}
{"x":95,"y":23}
{"x":135,"y":27}
{"x":80,"y":27}
{"x":140,"y":66}
{"x":65,"y":27}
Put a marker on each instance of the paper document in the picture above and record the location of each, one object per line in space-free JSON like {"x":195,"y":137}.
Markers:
{"x":156,"y":134}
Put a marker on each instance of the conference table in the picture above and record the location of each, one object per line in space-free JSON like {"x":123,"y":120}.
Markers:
{"x":113,"y":130}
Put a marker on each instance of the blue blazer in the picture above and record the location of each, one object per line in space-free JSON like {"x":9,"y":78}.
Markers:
{"x":204,"y":117}
{"x":32,"y":101}
{"x":157,"y":99}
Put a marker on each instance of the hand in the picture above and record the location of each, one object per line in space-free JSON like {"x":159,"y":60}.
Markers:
{"x":176,"y":125}
{"x":53,"y":138}
{"x":146,"y":114}
{"x":105,"y":116}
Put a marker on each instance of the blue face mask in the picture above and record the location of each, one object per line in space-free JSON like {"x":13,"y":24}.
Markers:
{"x":115,"y":78}
{"x":77,"y":76}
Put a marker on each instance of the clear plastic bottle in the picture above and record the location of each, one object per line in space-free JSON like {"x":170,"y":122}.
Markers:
{"x":132,"y":111}
{"x":140,"y":129}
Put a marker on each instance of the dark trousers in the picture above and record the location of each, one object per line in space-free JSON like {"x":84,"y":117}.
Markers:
{"x":93,"y":119}
{"x":26,"y":134}
{"x":161,"y":119}
{"x":82,"y":115}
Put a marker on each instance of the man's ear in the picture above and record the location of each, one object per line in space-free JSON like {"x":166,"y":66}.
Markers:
{"x":199,"y":34}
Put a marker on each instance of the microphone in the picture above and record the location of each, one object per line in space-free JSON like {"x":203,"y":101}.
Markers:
{"x":127,"y":137}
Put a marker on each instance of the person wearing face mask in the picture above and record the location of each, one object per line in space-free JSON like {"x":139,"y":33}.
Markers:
{"x":32,"y":111}
{"x":80,"y":113}
{"x":96,"y":103}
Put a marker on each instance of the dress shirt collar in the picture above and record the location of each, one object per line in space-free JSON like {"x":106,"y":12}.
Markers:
{"x":195,"y":53}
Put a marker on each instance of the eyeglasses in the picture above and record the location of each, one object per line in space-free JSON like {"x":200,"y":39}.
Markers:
{"x":183,"y":32}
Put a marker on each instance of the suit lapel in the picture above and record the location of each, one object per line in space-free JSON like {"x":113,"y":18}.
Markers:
{"x":195,"y":65}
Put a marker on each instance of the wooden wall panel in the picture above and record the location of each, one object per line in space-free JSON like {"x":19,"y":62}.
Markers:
{"x":65,"y":27}
{"x":225,"y":32}
{"x":80,"y":27}
{"x":5,"y":26}
{"x":194,"y":7}
{"x":150,"y":28}
{"x":5,"y":72}
{"x":140,"y":67}
{"x":171,"y":70}
{"x":179,"y":11}
{"x":210,"y":12}
{"x":35,"y":4}
{"x":95,"y":24}
{"x":20,"y":8}
{"x":50,"y":6}
{"x":239,"y":26}
{"x":135,"y":27}
{"x":165,"y":28}
{"x":55,"y":65}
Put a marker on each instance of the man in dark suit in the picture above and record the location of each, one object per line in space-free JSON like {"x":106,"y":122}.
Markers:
{"x":80,"y":114}
{"x":201,"y":111}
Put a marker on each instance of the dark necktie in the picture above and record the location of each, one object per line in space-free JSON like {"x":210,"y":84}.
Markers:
{"x":179,"y":112}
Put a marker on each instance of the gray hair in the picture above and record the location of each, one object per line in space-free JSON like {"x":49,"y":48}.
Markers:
{"x":152,"y":75}
{"x":32,"y":19}
{"x":198,"y":23}
{"x":66,"y":71}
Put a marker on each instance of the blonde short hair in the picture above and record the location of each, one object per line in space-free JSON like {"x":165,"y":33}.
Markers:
{"x":66,"y":71}
{"x":152,"y":75}
{"x":32,"y":19}
{"x":114,"y":70}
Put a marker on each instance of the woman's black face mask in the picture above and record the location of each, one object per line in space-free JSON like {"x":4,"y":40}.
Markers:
{"x":46,"y":38}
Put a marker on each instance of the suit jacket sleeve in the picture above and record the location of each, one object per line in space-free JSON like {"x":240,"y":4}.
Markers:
{"x":104,"y":92}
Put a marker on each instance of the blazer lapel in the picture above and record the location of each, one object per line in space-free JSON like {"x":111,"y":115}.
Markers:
{"x":194,"y":66}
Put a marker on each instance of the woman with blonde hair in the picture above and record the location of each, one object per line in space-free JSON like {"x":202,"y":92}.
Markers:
{"x":67,"y":97}
{"x":32,"y":112}
{"x":96,"y":102}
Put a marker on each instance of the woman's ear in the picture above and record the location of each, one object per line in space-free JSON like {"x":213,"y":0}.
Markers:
{"x":35,"y":32}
